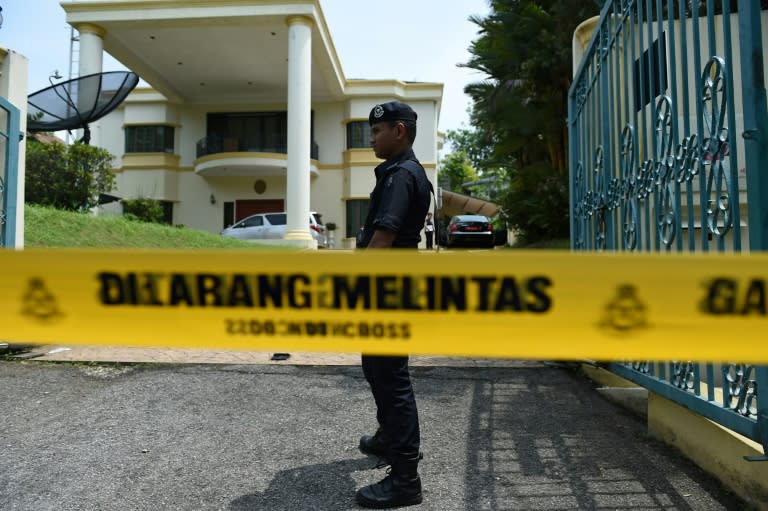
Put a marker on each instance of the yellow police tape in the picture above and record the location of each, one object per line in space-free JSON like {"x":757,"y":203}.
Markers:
{"x":527,"y":304}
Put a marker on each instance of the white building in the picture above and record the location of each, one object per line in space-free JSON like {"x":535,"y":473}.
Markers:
{"x":248,"y":111}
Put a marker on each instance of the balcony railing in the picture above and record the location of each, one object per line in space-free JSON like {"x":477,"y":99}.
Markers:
{"x":215,"y":144}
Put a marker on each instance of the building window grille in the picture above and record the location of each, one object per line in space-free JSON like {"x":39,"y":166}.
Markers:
{"x":261,"y":132}
{"x":358,"y":135}
{"x":149,"y":139}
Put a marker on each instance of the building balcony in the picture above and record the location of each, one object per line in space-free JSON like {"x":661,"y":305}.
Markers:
{"x":232,"y":156}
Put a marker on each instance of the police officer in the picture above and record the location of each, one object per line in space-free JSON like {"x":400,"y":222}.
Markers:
{"x":396,"y":211}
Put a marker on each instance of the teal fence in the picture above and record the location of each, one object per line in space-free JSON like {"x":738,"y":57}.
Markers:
{"x":668,"y":151}
{"x":9,"y":171}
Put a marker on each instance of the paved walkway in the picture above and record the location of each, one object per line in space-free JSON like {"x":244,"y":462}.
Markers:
{"x":237,"y":431}
{"x":78,"y":353}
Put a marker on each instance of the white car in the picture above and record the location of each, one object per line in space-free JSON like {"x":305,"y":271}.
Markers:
{"x":272,"y":226}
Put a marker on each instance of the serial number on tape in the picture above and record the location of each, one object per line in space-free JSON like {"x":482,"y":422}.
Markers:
{"x":342,"y":329}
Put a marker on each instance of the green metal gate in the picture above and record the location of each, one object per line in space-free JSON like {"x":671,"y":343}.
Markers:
{"x":668,"y":151}
{"x":10,"y":137}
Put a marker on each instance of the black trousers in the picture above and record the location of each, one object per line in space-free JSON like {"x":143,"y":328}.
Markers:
{"x":396,"y":411}
{"x":430,"y":237}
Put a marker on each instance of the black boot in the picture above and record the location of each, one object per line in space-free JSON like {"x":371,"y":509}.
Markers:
{"x":401,"y":487}
{"x":375,"y":445}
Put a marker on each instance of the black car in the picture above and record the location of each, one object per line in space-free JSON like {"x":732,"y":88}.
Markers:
{"x":470,"y":230}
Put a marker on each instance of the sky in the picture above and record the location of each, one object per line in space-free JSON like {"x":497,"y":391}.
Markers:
{"x":410,"y":40}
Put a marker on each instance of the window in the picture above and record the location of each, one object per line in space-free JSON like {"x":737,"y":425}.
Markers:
{"x":254,"y":221}
{"x":262,"y":132}
{"x":646,"y":91}
{"x":358,"y":135}
{"x":277,"y":219}
{"x":149,"y":139}
{"x":357,"y":210}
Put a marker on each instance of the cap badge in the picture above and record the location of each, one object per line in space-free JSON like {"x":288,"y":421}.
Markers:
{"x":378,"y":111}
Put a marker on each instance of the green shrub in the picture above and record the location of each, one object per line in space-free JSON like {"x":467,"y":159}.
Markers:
{"x":143,"y":209}
{"x":67,"y":177}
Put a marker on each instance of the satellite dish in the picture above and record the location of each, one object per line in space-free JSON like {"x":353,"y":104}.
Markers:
{"x":75,"y":103}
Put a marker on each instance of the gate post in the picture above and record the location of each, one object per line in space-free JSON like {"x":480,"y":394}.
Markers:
{"x":755,"y":122}
{"x":756,"y":152}
{"x":9,"y":176}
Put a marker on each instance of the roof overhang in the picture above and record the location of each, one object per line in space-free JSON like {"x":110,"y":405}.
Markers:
{"x":209,"y":51}
{"x":457,"y":204}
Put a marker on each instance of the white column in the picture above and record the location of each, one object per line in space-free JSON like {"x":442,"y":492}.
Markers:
{"x":91,"y":57}
{"x":299,"y":119}
{"x":91,"y":48}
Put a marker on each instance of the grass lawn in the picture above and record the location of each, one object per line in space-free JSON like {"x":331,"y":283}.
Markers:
{"x":51,"y":228}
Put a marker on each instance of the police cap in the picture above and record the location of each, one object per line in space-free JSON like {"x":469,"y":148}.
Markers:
{"x":392,"y":111}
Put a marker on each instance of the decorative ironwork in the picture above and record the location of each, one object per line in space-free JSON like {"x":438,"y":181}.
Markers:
{"x":581,"y":94}
{"x":715,"y":147}
{"x":580,"y":224}
{"x":673,"y":164}
{"x":687,"y":160}
{"x":664,"y":112}
{"x":628,"y":199}
{"x":659,"y":175}
{"x":665,"y":163}
{"x":599,"y":205}
{"x":696,"y":8}
{"x":682,"y":375}
{"x":740,"y":392}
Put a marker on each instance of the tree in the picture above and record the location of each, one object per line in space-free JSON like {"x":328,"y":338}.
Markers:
{"x":67,"y":177}
{"x":492,"y":179}
{"x":524,"y":47}
{"x":473,"y":143}
{"x":455,"y":170}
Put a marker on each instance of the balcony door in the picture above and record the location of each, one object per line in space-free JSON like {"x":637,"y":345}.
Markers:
{"x":263,"y":132}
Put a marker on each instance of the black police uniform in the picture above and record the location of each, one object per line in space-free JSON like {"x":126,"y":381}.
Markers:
{"x":399,"y":202}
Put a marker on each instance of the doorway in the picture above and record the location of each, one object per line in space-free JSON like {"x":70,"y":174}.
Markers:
{"x":248,"y":207}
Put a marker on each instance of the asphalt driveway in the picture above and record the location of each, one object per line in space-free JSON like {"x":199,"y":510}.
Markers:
{"x":256,"y":437}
